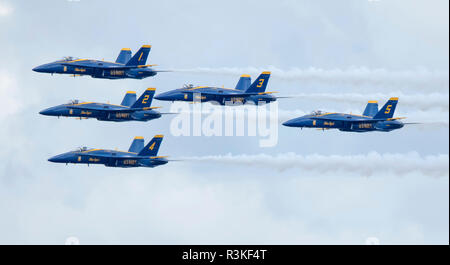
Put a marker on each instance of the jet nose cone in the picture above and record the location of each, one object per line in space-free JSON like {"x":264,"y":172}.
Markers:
{"x":39,"y":69}
{"x":289,"y":123}
{"x":168,"y":96}
{"x":57,"y":159}
{"x":298,"y":122}
{"x":48,"y":112}
{"x":53,"y":159}
{"x":162,"y":96}
{"x":48,"y":68}
{"x":43,"y":112}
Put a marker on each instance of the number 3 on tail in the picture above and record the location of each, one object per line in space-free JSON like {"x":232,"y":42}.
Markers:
{"x":261,"y":81}
{"x":388,"y":109}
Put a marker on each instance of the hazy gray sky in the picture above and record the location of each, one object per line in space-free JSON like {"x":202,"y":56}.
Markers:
{"x":314,"y":187}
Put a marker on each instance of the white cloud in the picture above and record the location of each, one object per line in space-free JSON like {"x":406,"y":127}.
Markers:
{"x":5,"y":9}
{"x":8,"y":94}
{"x":178,"y":205}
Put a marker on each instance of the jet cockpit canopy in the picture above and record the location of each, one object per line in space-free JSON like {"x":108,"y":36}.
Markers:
{"x":317,"y":112}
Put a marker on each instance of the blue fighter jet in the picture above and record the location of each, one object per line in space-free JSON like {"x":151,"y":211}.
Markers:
{"x":371,"y":120}
{"x":244,"y":92}
{"x":137,"y":155}
{"x":124,"y":67}
{"x":129,"y":110}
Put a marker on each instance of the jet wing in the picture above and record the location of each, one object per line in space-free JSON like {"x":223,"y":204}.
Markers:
{"x":93,"y":66}
{"x":109,"y":110}
{"x":106,"y":156}
{"x":106,"y":65}
{"x":236,"y":94}
{"x":122,"y":157}
{"x":324,"y":118}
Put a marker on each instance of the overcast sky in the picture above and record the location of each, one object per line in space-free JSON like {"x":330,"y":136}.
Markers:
{"x":313,"y":187}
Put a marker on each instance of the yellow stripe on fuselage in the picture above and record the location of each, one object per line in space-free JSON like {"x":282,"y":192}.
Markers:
{"x":110,"y":151}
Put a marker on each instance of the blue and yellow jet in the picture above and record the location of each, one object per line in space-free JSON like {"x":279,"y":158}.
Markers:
{"x":244,"y":92}
{"x":125,"y":66}
{"x":137,"y":155}
{"x":129,"y":110}
{"x":371,"y":120}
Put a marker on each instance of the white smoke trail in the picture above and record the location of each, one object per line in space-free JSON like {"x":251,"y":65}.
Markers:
{"x":417,"y":101}
{"x":363,"y":165}
{"x":419,"y":79}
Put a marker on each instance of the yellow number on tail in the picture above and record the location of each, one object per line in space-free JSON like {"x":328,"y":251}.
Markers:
{"x":152,"y":146}
{"x":261,"y":82}
{"x":388,"y":109}
{"x":144,"y":100}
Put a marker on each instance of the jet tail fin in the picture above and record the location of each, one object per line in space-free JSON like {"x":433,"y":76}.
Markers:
{"x":387,"y":111}
{"x":145,"y":100}
{"x":140,"y":58}
{"x":260,"y":84}
{"x":137,"y":145}
{"x":243,"y":83}
{"x":129,"y":99}
{"x":371,"y":109}
{"x":124,"y":56}
{"x":151,"y":149}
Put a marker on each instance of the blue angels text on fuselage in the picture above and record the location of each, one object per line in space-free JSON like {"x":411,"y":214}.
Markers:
{"x":137,"y":155}
{"x":371,"y":120}
{"x":245,"y":92}
{"x":129,"y":110}
{"x":125,"y":66}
